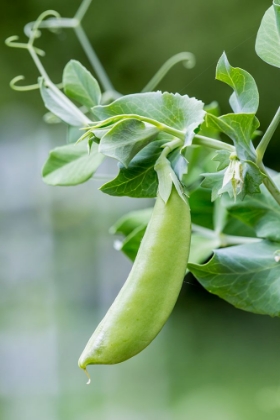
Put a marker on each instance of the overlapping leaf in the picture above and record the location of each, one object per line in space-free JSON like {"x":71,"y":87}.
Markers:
{"x":247,"y":276}
{"x":139,"y":179}
{"x":71,"y":164}
{"x":61,"y":106}
{"x":174,"y":110}
{"x":79,"y":84}
{"x":126,"y":138}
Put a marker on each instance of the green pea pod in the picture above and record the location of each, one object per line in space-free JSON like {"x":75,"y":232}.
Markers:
{"x":150,"y":292}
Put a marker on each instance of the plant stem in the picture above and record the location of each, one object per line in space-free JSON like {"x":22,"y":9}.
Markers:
{"x":225,"y":240}
{"x":93,"y":59}
{"x":161,"y":127}
{"x":270,"y":184}
{"x":267,"y":136}
{"x":212,"y":143}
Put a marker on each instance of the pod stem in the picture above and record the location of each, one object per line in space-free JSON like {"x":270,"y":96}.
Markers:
{"x":87,"y":375}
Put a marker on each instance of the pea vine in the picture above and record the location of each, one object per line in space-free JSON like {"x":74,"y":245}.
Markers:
{"x":162,"y":141}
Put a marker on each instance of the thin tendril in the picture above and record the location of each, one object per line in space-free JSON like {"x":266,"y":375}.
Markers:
{"x":186,"y":57}
{"x":11,"y":42}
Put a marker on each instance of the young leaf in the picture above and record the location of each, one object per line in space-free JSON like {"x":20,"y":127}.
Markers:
{"x":260,"y":212}
{"x":245,"y":98}
{"x":268,"y":38}
{"x":71,"y":164}
{"x":174,"y":110}
{"x":240,"y":128}
{"x":139,"y":179}
{"x":60,"y":105}
{"x":126,"y":139}
{"x":247,"y":276}
{"x":79,"y":84}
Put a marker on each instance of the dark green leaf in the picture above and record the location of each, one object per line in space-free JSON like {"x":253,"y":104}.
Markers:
{"x":247,"y":276}
{"x":174,"y":110}
{"x":139,"y":179}
{"x":79,"y":84}
{"x":71,"y":164}
{"x":126,"y":139}
{"x":245,"y":98}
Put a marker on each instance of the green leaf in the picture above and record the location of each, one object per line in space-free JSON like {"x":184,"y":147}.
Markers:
{"x":71,"y":164}
{"x":131,"y":243}
{"x":56,"y":102}
{"x":268,"y":38}
{"x":221,"y":156}
{"x":213,"y":181}
{"x":139,"y":179}
{"x":130,"y":221}
{"x":260,"y":212}
{"x":204,"y":129}
{"x":240,"y":128}
{"x":174,"y":110}
{"x":247,"y":276}
{"x":126,"y":139}
{"x":245,"y":98}
{"x":79,"y":84}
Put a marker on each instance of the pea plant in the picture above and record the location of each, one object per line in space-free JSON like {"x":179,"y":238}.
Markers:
{"x":197,"y":163}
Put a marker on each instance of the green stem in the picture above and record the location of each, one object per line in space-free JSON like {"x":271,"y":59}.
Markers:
{"x":261,"y":149}
{"x":270,"y":184}
{"x":225,"y":240}
{"x":161,"y":127}
{"x":93,"y":59}
{"x":82,"y":9}
{"x":212,"y":143}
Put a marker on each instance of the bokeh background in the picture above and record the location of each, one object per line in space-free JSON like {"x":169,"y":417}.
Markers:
{"x":59,"y":270}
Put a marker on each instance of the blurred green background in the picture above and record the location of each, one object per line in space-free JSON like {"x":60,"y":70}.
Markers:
{"x":59,"y":270}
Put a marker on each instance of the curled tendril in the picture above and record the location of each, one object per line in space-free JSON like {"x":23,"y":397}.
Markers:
{"x":188,"y":60}
{"x":15,"y":86}
{"x":15,"y":80}
{"x":34,"y":31}
{"x":11,"y":42}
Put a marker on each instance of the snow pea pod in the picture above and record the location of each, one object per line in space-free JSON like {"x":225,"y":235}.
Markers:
{"x":150,"y":292}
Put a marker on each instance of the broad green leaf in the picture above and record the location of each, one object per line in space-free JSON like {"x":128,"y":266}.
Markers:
{"x":247,"y":276}
{"x":71,"y":164}
{"x":130,"y":221}
{"x":276,"y":6}
{"x":174,"y":110}
{"x":245,"y":98}
{"x":240,"y":128}
{"x":139,"y":179}
{"x":79,"y":84}
{"x":268,"y":38}
{"x":56,"y":102}
{"x":260,"y":212}
{"x":126,"y":139}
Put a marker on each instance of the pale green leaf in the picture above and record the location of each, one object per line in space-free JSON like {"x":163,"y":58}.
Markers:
{"x":245,"y":98}
{"x":79,"y":84}
{"x":268,"y":38}
{"x":71,"y":164}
